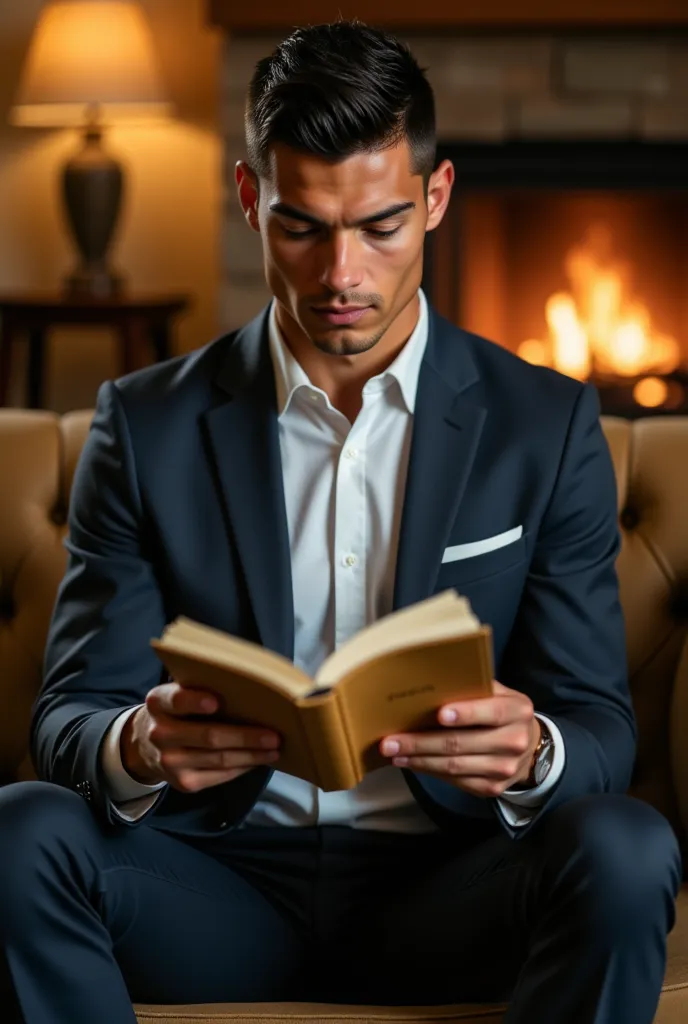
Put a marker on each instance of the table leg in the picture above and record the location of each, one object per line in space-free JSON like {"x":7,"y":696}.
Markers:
{"x":160,"y":336}
{"x":36,"y":368}
{"x":6,"y":343}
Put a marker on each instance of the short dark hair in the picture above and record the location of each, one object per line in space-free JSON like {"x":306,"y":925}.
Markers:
{"x":339,"y":89}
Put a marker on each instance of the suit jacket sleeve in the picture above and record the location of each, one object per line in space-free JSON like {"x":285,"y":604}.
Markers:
{"x":98,"y":659}
{"x":567,"y":648}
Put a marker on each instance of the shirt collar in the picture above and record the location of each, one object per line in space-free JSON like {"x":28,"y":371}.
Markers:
{"x":289,"y":374}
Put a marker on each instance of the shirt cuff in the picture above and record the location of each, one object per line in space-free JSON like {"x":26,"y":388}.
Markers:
{"x":130,"y":799}
{"x":519,"y":807}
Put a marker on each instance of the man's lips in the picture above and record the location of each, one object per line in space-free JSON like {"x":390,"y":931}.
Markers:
{"x":341,"y":315}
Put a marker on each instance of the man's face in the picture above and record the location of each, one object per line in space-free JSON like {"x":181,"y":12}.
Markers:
{"x":343,"y":242}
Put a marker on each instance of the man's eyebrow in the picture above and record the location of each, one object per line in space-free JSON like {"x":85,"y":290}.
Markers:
{"x":291,"y":211}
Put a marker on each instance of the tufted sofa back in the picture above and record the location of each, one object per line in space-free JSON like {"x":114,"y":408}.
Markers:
{"x":38,"y":454}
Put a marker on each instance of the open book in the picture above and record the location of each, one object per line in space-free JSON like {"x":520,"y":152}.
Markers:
{"x":391,"y":677}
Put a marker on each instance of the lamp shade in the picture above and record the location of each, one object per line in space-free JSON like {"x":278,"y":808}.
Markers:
{"x":88,"y":55}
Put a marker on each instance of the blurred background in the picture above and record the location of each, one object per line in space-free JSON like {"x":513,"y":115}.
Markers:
{"x":567,"y":236}
{"x":168,"y":238}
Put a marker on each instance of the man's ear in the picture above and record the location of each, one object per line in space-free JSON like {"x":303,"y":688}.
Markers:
{"x":248,"y":191}
{"x":439,"y":193}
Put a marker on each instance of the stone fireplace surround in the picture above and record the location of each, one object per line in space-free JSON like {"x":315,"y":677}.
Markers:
{"x":490,"y":87}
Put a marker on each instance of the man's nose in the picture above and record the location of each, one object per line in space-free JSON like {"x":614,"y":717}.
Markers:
{"x":342,"y":268}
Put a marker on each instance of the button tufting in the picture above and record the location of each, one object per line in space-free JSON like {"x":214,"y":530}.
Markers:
{"x":630,"y":518}
{"x":7,"y":609}
{"x":58,"y":516}
{"x":678,"y":602}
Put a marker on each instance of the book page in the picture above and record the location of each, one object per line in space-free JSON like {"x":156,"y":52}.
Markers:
{"x":243,"y":656}
{"x":440,"y":617}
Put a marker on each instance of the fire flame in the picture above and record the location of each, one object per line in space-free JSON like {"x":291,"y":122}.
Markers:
{"x":598,"y":325}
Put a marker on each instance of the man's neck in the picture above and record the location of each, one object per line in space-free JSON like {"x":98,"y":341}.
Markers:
{"x":342,"y":378}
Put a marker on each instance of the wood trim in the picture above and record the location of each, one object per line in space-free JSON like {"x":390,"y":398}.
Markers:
{"x":270,"y":15}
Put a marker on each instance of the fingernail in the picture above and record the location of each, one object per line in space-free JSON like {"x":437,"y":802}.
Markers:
{"x":449,"y":716}
{"x":272,"y":755}
{"x":208,"y":704}
{"x":390,"y":747}
{"x":269,"y":740}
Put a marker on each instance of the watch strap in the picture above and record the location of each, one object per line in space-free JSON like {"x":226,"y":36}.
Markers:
{"x":544,"y":745}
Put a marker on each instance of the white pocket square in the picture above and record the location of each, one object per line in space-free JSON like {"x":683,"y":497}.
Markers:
{"x":481,"y":547}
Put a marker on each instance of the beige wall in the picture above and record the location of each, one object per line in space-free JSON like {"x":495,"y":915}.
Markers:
{"x":168,"y":236}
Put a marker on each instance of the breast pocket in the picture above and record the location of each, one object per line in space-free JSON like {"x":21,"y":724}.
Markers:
{"x":479,"y":567}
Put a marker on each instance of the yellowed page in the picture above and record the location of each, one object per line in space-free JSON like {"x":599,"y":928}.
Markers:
{"x":440,"y":617}
{"x":192,"y":638}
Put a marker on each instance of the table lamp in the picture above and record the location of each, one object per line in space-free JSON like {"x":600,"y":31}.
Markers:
{"x":90,"y":63}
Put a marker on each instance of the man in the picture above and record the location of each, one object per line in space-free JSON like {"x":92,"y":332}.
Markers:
{"x":346,"y":453}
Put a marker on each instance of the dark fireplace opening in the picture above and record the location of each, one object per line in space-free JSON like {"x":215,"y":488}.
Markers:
{"x":573,"y":255}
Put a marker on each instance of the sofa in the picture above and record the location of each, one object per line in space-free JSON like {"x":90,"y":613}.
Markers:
{"x":38,"y":453}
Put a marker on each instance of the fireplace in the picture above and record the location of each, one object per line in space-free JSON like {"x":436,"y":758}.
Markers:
{"x":573,"y":255}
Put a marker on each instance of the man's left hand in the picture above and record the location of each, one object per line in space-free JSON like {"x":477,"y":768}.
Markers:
{"x":485,"y":746}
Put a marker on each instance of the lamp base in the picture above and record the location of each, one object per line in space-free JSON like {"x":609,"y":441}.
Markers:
{"x":92,"y":185}
{"x":93,"y":282}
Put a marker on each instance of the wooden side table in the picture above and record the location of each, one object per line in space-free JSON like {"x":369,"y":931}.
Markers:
{"x":136,"y":321}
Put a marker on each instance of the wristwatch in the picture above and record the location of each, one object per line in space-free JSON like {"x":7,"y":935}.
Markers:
{"x":543,"y":756}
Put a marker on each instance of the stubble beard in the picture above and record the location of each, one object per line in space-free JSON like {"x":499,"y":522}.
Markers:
{"x":347,"y":346}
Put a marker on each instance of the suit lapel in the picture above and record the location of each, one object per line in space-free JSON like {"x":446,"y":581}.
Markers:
{"x":243,"y":443}
{"x":243,"y":440}
{"x":446,"y":431}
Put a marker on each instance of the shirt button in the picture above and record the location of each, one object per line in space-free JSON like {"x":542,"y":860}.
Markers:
{"x":314,"y":397}
{"x":351,"y":453}
{"x":350,"y":560}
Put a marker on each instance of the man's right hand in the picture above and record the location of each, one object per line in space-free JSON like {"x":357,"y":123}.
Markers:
{"x":160,"y":744}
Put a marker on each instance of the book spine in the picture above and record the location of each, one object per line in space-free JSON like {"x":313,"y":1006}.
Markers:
{"x":326,"y":736}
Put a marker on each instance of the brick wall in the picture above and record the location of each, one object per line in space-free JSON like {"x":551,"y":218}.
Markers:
{"x":489,"y":89}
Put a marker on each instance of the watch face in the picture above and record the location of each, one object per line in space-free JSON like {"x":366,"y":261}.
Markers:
{"x":544,"y":763}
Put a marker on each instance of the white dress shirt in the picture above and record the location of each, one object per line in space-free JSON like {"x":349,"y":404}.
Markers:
{"x":344,"y":485}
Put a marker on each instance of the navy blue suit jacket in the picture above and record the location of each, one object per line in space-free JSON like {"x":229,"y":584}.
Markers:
{"x":177,"y":509}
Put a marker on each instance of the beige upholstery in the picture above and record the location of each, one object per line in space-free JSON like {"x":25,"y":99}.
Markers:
{"x":38,"y":452}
